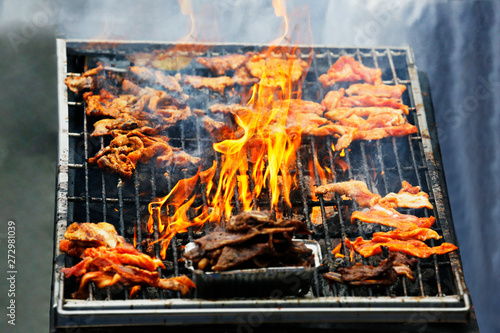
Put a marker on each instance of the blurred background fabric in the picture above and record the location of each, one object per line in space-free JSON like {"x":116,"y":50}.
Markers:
{"x":455,"y":42}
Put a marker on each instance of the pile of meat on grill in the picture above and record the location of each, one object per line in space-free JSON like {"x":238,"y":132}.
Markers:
{"x":136,"y":108}
{"x":408,"y":237}
{"x":252,"y":240}
{"x":108,"y":260}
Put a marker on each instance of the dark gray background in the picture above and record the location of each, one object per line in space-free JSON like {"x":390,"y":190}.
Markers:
{"x":456,"y":42}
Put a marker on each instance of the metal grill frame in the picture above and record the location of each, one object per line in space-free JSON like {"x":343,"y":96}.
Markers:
{"x":174,"y":311}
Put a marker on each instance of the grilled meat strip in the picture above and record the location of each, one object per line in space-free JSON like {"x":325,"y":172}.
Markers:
{"x":348,"y":69}
{"x":410,"y":247}
{"x":88,"y":80}
{"x":390,"y":217}
{"x":218,"y":84}
{"x":354,"y":189}
{"x":339,"y":113}
{"x":105,"y":273}
{"x":274,"y":71}
{"x":409,"y":197}
{"x":380,"y":90}
{"x":219,"y":65}
{"x":107,"y":259}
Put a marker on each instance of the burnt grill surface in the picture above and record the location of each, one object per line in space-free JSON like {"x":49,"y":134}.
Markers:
{"x":93,"y":195}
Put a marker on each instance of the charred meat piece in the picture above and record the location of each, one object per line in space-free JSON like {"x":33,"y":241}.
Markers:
{"x":348,"y":69}
{"x":253,"y":240}
{"x":385,"y":273}
{"x":359,"y":274}
{"x":218,"y":84}
{"x":219,"y":65}
{"x":233,"y":256}
{"x":380,"y":90}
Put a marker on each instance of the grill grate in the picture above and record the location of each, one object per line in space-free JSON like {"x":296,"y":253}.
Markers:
{"x":87,"y":194}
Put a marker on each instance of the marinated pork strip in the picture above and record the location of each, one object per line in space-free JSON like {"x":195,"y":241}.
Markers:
{"x":339,"y":113}
{"x":390,"y":217}
{"x":243,"y":77}
{"x":367,"y":100}
{"x":378,"y":120}
{"x":332,"y":99}
{"x":354,"y":189}
{"x":408,"y":197}
{"x":220,"y":64}
{"x":120,"y":156}
{"x":274,"y":71}
{"x":88,"y":80}
{"x":421,"y":234}
{"x":118,"y":255}
{"x":412,"y":247}
{"x":217,"y":129}
{"x":218,"y":84}
{"x":93,"y":235}
{"x":146,"y":75}
{"x":105,"y":273}
{"x":167,"y":81}
{"x":299,"y":106}
{"x":385,"y":132}
{"x":346,"y":69}
{"x":379,"y":90}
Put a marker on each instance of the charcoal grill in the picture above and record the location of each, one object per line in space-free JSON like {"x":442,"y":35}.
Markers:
{"x":85,"y":193}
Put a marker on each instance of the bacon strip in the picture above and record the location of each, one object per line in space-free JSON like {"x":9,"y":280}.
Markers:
{"x":348,"y":69}
{"x":392,"y":218}
{"x":416,"y":248}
